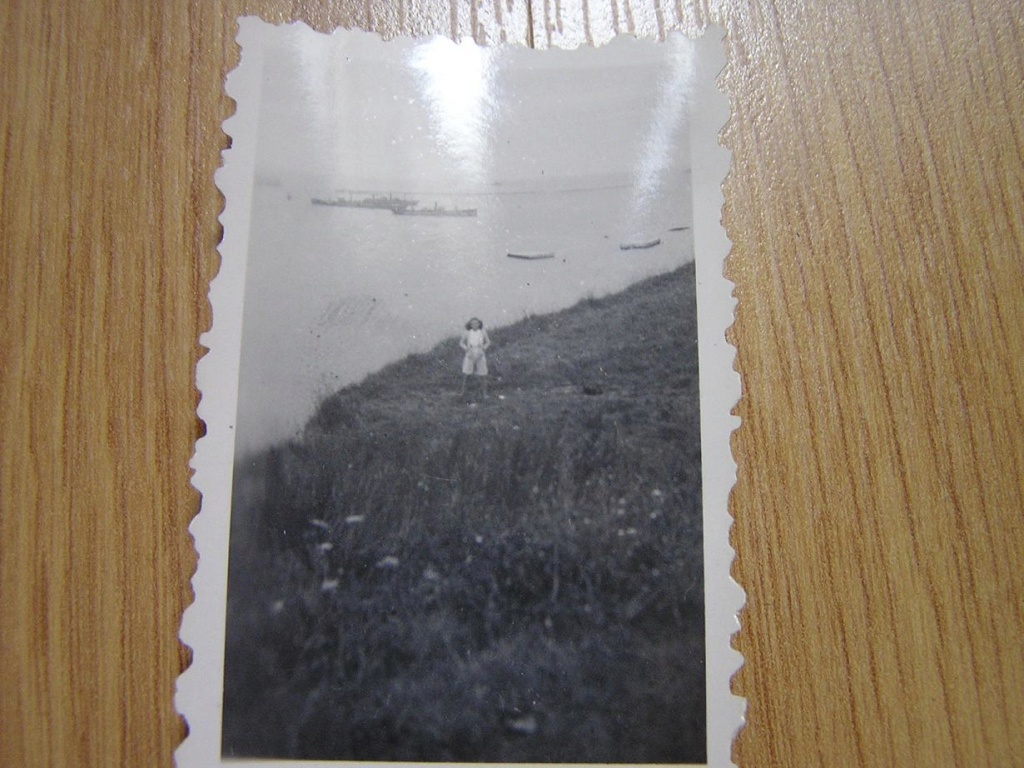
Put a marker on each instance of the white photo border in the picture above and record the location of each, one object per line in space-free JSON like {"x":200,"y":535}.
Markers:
{"x":200,"y":687}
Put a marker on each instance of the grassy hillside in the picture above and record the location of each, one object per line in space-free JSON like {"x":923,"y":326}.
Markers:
{"x":432,"y":576}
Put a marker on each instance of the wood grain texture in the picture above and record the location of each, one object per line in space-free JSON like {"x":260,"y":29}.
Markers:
{"x":877,"y":257}
{"x":876,"y":206}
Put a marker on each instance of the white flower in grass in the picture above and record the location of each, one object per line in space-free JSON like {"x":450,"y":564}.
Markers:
{"x":276,"y":607}
{"x":478,"y":539}
{"x":318,"y":523}
{"x":355,"y":519}
{"x":325,"y":546}
{"x":430,"y":574}
{"x":523,"y":724}
{"x":390,"y":561}
{"x":656,"y":493}
{"x":328,"y":585}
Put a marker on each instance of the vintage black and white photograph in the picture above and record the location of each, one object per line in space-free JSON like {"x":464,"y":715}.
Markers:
{"x":465,"y":519}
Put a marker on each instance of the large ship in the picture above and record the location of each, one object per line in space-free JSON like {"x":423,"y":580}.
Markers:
{"x":437,"y":210}
{"x":379,"y":202}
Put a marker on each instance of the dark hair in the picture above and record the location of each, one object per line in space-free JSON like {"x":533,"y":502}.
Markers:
{"x":469,"y":323}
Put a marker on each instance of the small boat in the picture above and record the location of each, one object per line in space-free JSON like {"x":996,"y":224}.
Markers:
{"x":531,"y":256}
{"x":639,"y":246}
{"x":437,"y":210}
{"x":678,"y":229}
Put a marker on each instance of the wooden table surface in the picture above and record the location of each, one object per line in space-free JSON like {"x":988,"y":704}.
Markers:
{"x":876,"y":206}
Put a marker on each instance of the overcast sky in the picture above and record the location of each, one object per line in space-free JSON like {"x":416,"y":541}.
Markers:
{"x":438,"y":116}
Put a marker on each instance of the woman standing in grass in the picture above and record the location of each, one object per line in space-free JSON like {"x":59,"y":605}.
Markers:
{"x":475,"y":341}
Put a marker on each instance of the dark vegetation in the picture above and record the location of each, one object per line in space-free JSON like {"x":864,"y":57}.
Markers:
{"x":515,"y":579}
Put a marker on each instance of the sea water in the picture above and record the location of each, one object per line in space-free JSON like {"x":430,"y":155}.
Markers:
{"x":333,"y":294}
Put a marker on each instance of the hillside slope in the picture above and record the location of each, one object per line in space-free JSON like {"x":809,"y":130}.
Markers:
{"x":428,"y":576}
{"x":643,"y":340}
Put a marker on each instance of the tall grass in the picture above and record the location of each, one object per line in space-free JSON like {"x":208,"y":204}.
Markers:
{"x":517,"y":579}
